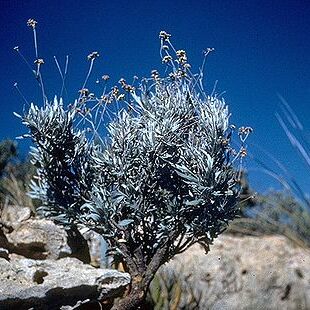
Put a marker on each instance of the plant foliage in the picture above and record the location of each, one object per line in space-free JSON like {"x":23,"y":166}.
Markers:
{"x":165,"y":177}
{"x":63,"y":160}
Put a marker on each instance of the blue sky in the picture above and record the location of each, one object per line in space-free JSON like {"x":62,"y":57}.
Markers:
{"x":261,"y":48}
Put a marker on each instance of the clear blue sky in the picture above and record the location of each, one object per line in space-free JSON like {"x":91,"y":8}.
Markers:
{"x":262,"y":48}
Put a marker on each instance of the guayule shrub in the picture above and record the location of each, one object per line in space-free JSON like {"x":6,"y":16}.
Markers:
{"x":164,"y":178}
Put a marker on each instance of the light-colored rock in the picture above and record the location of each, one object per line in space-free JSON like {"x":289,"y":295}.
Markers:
{"x":13,"y":215}
{"x":50,"y":284}
{"x":40,"y":239}
{"x":97,"y":248}
{"x":94,"y":244}
{"x":246,"y":273}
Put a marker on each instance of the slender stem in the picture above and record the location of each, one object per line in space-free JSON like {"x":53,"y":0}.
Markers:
{"x":26,"y":61}
{"x":65,"y":75}
{"x":35,"y":42}
{"x":61,"y":75}
{"x":21,"y":94}
{"x":88,"y":73}
{"x":42,"y":88}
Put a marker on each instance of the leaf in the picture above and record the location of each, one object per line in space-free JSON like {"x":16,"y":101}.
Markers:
{"x":125,"y":223}
{"x":194,"y":202}
{"x":118,"y":199}
{"x":17,"y":115}
{"x":188,"y":177}
{"x":185,"y":173}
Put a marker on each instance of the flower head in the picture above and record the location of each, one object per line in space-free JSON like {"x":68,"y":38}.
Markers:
{"x":181,"y":53}
{"x":115,"y":91}
{"x":245,"y":130}
{"x":39,"y":61}
{"x":164,"y":35}
{"x":243,"y":152}
{"x":84,"y":92}
{"x":167,"y":59}
{"x":181,"y":73}
{"x":155,"y":74}
{"x":182,"y":58}
{"x":31,"y":23}
{"x":129,"y":88}
{"x":93,"y":56}
{"x":208,"y":50}
{"x":173,"y":75}
{"x":122,"y":81}
{"x":106,"y":99}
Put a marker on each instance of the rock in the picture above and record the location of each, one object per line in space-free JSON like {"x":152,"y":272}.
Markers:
{"x":12,"y":215}
{"x":49,"y":284}
{"x":266,"y":272}
{"x":94,"y":243}
{"x":97,"y":248}
{"x":41,"y":239}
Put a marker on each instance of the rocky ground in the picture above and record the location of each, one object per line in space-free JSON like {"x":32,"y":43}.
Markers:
{"x":244,"y":273}
{"x":44,"y":267}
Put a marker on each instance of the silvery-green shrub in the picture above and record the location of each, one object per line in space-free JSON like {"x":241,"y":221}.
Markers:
{"x":164,"y":177}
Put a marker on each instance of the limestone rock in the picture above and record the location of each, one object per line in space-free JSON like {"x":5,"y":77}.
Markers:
{"x":245,"y":273}
{"x":12,"y":215}
{"x":49,"y":284}
{"x":40,"y":239}
{"x":97,"y":248}
{"x":94,"y":244}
